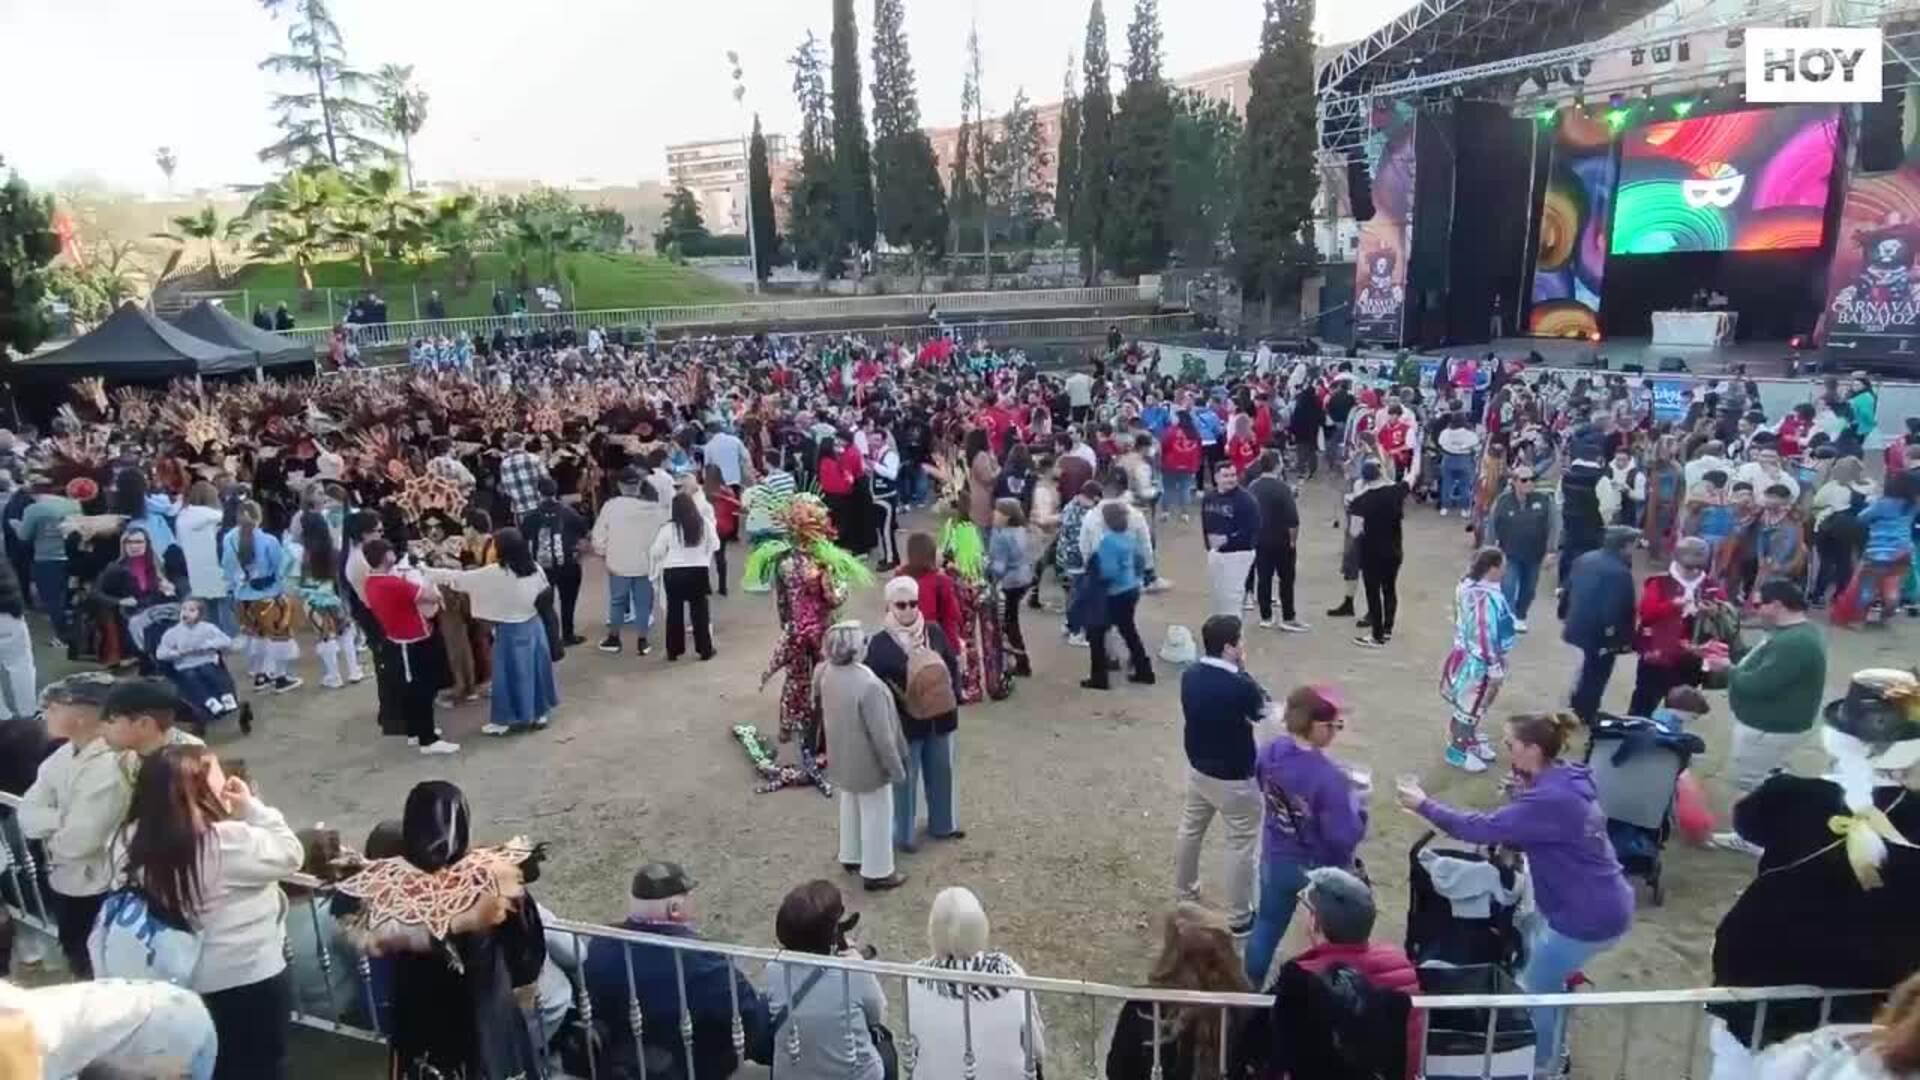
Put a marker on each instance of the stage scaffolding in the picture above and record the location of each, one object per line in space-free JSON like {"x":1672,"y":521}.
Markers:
{"x":1441,"y":51}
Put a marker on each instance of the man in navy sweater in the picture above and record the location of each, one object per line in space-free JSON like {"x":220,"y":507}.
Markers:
{"x":1230,"y":524}
{"x":1221,"y":704}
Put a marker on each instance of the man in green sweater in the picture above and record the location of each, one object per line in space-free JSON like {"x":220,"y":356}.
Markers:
{"x":1774,"y":692}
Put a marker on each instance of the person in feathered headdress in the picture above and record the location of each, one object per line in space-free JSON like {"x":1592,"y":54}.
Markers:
{"x":463,"y":938}
{"x":1840,"y":877}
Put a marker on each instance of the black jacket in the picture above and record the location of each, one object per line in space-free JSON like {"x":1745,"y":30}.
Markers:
{"x":554,"y":530}
{"x":1598,"y":607}
{"x":886,"y":659}
{"x":1279,"y":515}
{"x":1382,"y":510}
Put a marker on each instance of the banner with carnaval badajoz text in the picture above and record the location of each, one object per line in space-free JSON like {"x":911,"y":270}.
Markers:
{"x":1873,"y":287}
{"x":1380,"y":267}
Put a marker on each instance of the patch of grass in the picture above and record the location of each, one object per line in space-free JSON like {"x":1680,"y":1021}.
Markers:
{"x":589,"y":281}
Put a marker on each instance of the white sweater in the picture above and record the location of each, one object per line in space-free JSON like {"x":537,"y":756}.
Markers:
{"x":623,"y":534}
{"x":670,"y":552}
{"x":496,"y":593}
{"x":140,"y":1024}
{"x":198,"y":529}
{"x":77,"y":801}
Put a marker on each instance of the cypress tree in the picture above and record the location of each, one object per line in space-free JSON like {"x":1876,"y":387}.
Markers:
{"x":852,"y":156}
{"x":1135,"y":222}
{"x":812,"y":224}
{"x":1096,"y":152}
{"x":760,"y":219}
{"x":1066,"y":182}
{"x":1272,"y":231}
{"x":910,"y":207}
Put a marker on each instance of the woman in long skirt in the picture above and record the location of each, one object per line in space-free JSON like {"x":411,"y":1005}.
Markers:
{"x":510,"y":595}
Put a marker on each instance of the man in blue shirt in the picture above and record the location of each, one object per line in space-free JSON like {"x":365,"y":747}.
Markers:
{"x":662,"y":904}
{"x":1221,"y":704}
{"x":1230,"y":525}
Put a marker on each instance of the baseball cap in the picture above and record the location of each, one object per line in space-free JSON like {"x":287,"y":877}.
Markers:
{"x":632,"y":474}
{"x":81,"y":688}
{"x":661,"y":881}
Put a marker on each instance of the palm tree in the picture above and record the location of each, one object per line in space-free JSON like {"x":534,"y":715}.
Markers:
{"x":207,"y":226}
{"x":454,"y":226}
{"x":396,"y":212}
{"x":297,"y":214}
{"x":403,"y":108}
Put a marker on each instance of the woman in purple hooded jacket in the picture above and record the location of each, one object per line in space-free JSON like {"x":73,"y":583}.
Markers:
{"x":1586,"y":905}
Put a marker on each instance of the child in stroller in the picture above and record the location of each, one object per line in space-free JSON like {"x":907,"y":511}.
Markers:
{"x":1462,"y":934}
{"x":189,"y":654}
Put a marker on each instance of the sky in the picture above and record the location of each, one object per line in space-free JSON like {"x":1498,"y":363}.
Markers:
{"x":569,"y":92}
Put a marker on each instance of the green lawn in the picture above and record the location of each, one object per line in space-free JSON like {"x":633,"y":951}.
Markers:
{"x":603,"y":281}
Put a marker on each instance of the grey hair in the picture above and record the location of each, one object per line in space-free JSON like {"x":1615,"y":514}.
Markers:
{"x":1692,"y":550}
{"x":957,"y":924}
{"x":844,"y":643}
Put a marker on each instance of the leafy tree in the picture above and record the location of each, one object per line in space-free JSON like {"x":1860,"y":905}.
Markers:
{"x":682,"y":228}
{"x":852,"y":157}
{"x":27,"y":244}
{"x":1095,"y":159}
{"x":329,"y":122}
{"x":1135,"y":218}
{"x":1066,"y":181}
{"x":168,"y":162}
{"x":1272,"y":231}
{"x":1017,"y":172}
{"x":812,"y":228}
{"x":209,"y":228}
{"x":1206,"y":175}
{"x":911,"y":209}
{"x":93,"y":287}
{"x":549,"y":223}
{"x":606,"y":227}
{"x":397,"y":213}
{"x":760,"y":217}
{"x":296,"y":215}
{"x":454,"y":226}
{"x":403,"y":108}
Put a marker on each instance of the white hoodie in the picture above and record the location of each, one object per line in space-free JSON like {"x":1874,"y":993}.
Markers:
{"x":623,"y":534}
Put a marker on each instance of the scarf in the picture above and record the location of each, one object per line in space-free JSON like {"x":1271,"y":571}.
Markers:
{"x":142,"y":571}
{"x":986,"y":963}
{"x":908,"y":630}
{"x":1689,"y":593}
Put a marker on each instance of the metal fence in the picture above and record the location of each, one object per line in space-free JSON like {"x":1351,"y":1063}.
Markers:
{"x":1622,"y":1033}
{"x":777,"y":312}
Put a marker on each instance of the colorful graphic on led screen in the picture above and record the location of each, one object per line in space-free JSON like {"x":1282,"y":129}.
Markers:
{"x":1743,"y":181}
{"x":1571,"y":255}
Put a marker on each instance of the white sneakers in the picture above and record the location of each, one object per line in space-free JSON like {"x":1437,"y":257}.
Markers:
{"x":438,"y":747}
{"x":1294,"y":626}
{"x":495,"y":729}
{"x":1268,"y":624}
{"x":1732,"y":841}
{"x":1519,"y":626}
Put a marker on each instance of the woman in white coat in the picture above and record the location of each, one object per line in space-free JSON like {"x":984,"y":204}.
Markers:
{"x":1005,"y":1024}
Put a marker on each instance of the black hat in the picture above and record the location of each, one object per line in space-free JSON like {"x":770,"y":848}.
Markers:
{"x":1882,"y":707}
{"x":632,"y":475}
{"x":661,"y":881}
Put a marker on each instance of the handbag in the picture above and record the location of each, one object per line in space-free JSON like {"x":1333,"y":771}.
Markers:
{"x":130,"y":940}
{"x":761,"y":1049}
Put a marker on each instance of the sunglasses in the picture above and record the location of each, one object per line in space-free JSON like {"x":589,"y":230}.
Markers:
{"x":906,"y":605}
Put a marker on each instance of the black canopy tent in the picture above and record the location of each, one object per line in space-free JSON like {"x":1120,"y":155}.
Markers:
{"x":210,"y":322}
{"x":133,"y":345}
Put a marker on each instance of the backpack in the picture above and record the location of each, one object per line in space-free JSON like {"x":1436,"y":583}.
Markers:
{"x":131,"y":941}
{"x":929,"y":689}
{"x":1336,"y":1025}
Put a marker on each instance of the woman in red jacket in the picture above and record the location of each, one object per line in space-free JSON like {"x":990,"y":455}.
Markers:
{"x":1180,"y":455}
{"x":939,"y":601}
{"x":1243,"y":446}
{"x":1669,"y":605}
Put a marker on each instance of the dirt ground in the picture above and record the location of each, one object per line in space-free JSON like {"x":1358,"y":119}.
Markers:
{"x":1070,"y":797}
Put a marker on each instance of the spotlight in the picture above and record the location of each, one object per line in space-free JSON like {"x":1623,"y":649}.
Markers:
{"x":1616,"y":100}
{"x":1580,"y":99}
{"x":1646,"y":92}
{"x":1682,"y":107}
{"x":1547,"y":113}
{"x":1797,"y":341}
{"x":1617,"y":118}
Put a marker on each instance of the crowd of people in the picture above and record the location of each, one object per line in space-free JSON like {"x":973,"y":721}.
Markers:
{"x":440,"y":522}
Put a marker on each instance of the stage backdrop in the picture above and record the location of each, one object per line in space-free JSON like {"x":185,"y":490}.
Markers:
{"x":1873,"y":290}
{"x":1380,"y":267}
{"x":1755,"y":180}
{"x":1570,"y":257}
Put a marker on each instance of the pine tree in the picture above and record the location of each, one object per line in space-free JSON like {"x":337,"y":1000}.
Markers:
{"x":910,"y":207}
{"x":683,"y":230}
{"x":1017,"y":172}
{"x":852,"y":156}
{"x":328,"y":121}
{"x":1095,"y":159}
{"x":812,"y":228}
{"x":27,"y":245}
{"x":1135,"y":223}
{"x":1272,"y":232}
{"x":966,"y":183}
{"x":1206,"y":175}
{"x":1066,"y":181}
{"x":760,"y":218}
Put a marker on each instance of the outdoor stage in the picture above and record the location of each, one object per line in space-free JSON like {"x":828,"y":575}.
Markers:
{"x":1762,"y":358}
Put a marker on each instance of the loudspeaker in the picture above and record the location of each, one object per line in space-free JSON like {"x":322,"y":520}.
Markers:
{"x":1881,"y":145}
{"x":1359,"y":187}
{"x":1672,"y":364}
{"x":1633,"y":369}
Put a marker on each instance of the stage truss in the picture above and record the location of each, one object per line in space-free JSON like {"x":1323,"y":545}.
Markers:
{"x":1441,"y":51}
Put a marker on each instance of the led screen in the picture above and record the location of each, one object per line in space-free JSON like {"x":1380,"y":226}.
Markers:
{"x":1744,"y":181}
{"x":1570,"y":256}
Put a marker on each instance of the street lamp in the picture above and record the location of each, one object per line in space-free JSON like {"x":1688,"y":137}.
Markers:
{"x":746,"y":163}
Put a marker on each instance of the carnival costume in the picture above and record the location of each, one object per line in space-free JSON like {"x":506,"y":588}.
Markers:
{"x":1470,"y":678}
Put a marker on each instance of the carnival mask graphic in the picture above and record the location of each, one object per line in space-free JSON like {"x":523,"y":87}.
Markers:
{"x":1716,"y":185}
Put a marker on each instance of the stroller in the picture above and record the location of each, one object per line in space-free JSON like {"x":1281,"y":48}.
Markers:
{"x":1463,"y":937}
{"x":1635,"y":764}
{"x":151,"y":624}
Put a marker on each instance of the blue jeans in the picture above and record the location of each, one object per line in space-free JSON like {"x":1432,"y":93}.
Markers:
{"x":629,"y":598}
{"x":221,"y":612}
{"x":1522,"y":578}
{"x":1178,"y":495}
{"x":1281,"y":883}
{"x":50,"y":582}
{"x":1551,"y":958}
{"x":1456,"y":482}
{"x":931,"y":757}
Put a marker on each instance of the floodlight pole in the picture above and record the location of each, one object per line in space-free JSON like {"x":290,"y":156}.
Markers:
{"x":746,"y":168}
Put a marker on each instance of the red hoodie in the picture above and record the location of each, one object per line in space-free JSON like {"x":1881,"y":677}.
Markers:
{"x":1180,"y":452}
{"x":1385,"y":967}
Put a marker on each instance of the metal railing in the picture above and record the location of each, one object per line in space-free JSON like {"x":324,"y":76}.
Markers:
{"x":782,"y":312}
{"x":351,"y":1004}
